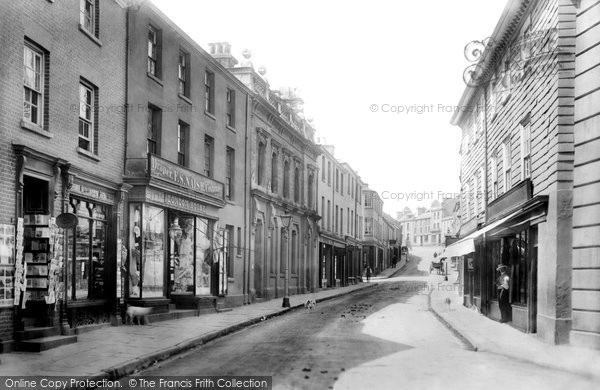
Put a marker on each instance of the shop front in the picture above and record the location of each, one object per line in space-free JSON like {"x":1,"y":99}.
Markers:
{"x":509,"y":244}
{"x":176,"y":251}
{"x":64,"y":276}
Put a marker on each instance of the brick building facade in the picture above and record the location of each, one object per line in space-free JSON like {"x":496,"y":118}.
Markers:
{"x":62,"y":127}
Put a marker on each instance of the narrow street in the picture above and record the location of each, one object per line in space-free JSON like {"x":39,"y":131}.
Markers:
{"x":384,"y":338}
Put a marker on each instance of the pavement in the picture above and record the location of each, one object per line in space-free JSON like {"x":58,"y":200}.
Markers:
{"x":114,"y":352}
{"x":487,"y":335}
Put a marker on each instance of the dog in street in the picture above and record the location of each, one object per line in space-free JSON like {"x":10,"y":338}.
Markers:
{"x":140,"y":313}
{"x":310,"y":304}
{"x":448,"y":301}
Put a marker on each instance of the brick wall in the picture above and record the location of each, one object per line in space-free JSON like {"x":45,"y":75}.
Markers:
{"x":70,"y":56}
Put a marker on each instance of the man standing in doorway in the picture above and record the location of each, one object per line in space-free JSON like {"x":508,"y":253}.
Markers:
{"x":503,"y":283}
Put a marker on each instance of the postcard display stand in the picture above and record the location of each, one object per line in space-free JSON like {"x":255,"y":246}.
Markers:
{"x":42,"y":255}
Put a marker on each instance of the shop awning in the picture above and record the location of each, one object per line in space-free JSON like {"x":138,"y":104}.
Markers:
{"x":467,"y":244}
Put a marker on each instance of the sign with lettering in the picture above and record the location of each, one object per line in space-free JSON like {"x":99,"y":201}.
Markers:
{"x":175,"y":202}
{"x":92,"y":193}
{"x":175,"y":174}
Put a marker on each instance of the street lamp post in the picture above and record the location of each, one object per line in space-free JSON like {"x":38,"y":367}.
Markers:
{"x":285,"y":221}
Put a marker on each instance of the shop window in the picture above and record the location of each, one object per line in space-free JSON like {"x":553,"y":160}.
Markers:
{"x":204,"y":256}
{"x":86,"y":266}
{"x":181,"y":253}
{"x":146,"y":252}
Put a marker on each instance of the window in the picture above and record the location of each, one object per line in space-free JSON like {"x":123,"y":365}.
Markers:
{"x":87,"y":118}
{"x":368,"y":200}
{"x":154,"y":41}
{"x":209,"y":90}
{"x":323,"y":168}
{"x":337,"y":214}
{"x":208,"y":156}
{"x":337,"y":180}
{"x":182,"y":143}
{"x":86,"y":260}
{"x":311,"y":179}
{"x":329,"y":173}
{"x":323,"y":212}
{"x":506,"y":166}
{"x":494,"y":177}
{"x":467,"y":198}
{"x":328,"y":215}
{"x":88,"y":16}
{"x":230,"y":108}
{"x":262,"y":149}
{"x":342,"y":221}
{"x":154,"y":127}
{"x":526,"y":151}
{"x":368,"y":226}
{"x":274,"y":172}
{"x":228,"y":249}
{"x":33,"y":85}
{"x":183,"y":73}
{"x":229,"y":166}
{"x":296,"y":185}
{"x":286,"y":179}
{"x":239,"y":241}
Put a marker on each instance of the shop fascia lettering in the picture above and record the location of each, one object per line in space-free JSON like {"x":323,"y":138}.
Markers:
{"x":177,"y":177}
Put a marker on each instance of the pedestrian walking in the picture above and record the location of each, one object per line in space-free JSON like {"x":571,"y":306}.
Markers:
{"x":368,"y":272}
{"x":394,"y":261}
{"x":503,"y":285}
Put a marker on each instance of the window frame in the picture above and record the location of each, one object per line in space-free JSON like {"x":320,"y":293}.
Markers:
{"x":92,"y":123}
{"x":153,"y":52}
{"x":93,"y":18}
{"x":230,"y":115}
{"x":183,"y":73}
{"x":209,"y":144}
{"x":183,"y":135}
{"x":209,"y":92}
{"x":229,"y":172}
{"x":154,"y":129}
{"x":41,"y":93}
{"x":525,"y":151}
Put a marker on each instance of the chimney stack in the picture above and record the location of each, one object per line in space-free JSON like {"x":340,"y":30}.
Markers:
{"x":221,"y":51}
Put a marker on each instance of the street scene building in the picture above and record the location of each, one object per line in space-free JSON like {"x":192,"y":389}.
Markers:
{"x":430,"y":226}
{"x":340,"y":233}
{"x":62,"y":139}
{"x":527,"y":172}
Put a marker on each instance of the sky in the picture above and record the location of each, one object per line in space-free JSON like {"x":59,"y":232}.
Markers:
{"x":380,"y":78}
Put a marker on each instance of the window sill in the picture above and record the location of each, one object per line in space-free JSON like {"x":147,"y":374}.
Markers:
{"x":156,"y":79}
{"x":35,"y":129}
{"x":185,"y":99}
{"x":230,"y":279}
{"x":210,"y":115}
{"x":230,"y":202}
{"x":231,"y":128}
{"x":88,"y":154}
{"x":90,"y":35}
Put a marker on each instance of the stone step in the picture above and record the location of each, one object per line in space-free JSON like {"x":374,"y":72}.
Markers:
{"x":36,"y":332}
{"x":45,"y":343}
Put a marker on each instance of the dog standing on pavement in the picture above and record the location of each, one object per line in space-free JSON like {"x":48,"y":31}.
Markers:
{"x":140,"y":313}
{"x":310,"y":304}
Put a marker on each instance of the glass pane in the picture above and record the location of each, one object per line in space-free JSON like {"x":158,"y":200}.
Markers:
{"x":182,"y":254}
{"x":154,"y":252}
{"x":98,"y":247}
{"x":134,"y":253}
{"x":82,"y":258}
{"x":203,"y":257}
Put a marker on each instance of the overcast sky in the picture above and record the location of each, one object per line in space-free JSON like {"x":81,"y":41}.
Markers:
{"x":351,"y":58}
